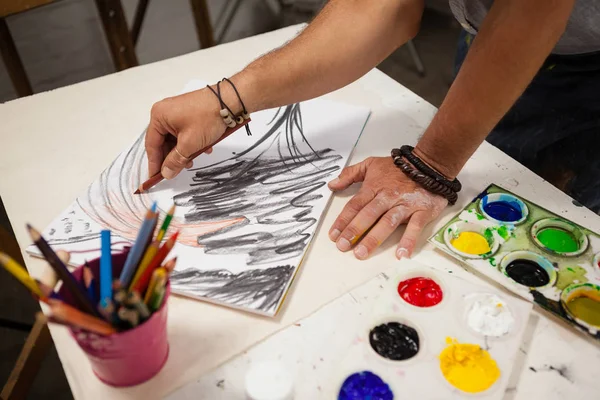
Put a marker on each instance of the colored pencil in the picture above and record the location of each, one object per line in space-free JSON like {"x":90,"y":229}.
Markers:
{"x":72,"y":285}
{"x":48,"y":290}
{"x":130,"y":316}
{"x":155,"y":179}
{"x":20,"y":273}
{"x":158,"y":294}
{"x":88,"y":281}
{"x":106,"y":273}
{"x":157,"y":276}
{"x":148,"y":256}
{"x":165,"y":225}
{"x":170,"y":265}
{"x":134,"y":300}
{"x":139,"y":247}
{"x":141,"y":285}
{"x":70,"y":315}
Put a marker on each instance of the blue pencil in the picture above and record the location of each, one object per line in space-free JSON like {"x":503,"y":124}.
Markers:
{"x":139,"y":247}
{"x":105,"y":267}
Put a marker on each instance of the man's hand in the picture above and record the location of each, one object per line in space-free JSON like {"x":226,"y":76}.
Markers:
{"x":386,"y":199}
{"x":179,"y":127}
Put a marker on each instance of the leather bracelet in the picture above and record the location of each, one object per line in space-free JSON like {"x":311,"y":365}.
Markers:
{"x":427,"y":182}
{"x":407,"y":152}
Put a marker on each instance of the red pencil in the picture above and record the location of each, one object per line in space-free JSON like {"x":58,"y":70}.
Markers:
{"x":142,"y":283}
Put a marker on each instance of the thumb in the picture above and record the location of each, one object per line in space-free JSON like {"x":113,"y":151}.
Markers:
{"x":352,"y":174}
{"x":178,"y":158}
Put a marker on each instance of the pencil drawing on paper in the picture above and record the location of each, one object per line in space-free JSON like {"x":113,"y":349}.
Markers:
{"x":245,"y":221}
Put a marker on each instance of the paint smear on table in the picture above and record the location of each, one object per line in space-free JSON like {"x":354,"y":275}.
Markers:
{"x":507,"y":211}
{"x":586,"y":308}
{"x":490,"y":316}
{"x":527,"y":273}
{"x":570,"y":275}
{"x":365,"y":385}
{"x":420,"y":292}
{"x":471,"y":243}
{"x":468,"y":367}
{"x":558,"y":240}
{"x":394,"y":341}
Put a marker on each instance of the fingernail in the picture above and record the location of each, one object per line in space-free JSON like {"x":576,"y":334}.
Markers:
{"x":401,"y":252}
{"x":334,"y":234}
{"x":343,"y":244}
{"x":167,"y":173}
{"x":335,"y":181}
{"x":361,"y":252}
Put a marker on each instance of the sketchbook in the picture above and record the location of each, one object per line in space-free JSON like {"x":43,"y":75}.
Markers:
{"x":246,"y":213}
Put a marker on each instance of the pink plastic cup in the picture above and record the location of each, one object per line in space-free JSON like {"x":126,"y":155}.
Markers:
{"x":126,"y":358}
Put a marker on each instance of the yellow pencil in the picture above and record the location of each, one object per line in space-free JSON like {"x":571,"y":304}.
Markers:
{"x":148,"y":256}
{"x":158,"y":275}
{"x":20,"y":273}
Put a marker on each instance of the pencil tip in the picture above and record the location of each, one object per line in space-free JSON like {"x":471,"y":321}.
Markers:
{"x":153,"y":208}
{"x":29,"y":227}
{"x":137,"y":192}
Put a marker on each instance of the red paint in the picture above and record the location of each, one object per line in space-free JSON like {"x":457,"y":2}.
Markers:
{"x":420,"y":292}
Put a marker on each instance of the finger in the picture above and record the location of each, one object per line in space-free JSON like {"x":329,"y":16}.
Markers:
{"x":365,"y":219}
{"x":209,"y":150}
{"x":64,"y":256}
{"x":189,"y":165}
{"x":415,"y":226}
{"x":353,"y":207}
{"x":386,"y":225}
{"x":352,"y":174}
{"x":155,"y":138}
{"x":177,"y":159}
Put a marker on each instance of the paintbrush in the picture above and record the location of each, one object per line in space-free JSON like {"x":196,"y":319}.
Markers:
{"x":155,"y":179}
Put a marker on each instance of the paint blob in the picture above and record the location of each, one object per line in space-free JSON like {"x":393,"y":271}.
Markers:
{"x":586,"y":308}
{"x":558,"y":240}
{"x":420,"y":292}
{"x":527,"y":273}
{"x":365,"y":385}
{"x":471,"y":243}
{"x":394,"y":341}
{"x":507,"y":211}
{"x":468,"y":367}
{"x":490,"y":316}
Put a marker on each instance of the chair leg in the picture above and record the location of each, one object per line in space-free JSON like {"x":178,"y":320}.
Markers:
{"x":13,"y":63}
{"x":117,"y":33}
{"x":203,"y":26}
{"x":28,"y":364}
{"x":138,"y":20}
{"x":416,"y":58}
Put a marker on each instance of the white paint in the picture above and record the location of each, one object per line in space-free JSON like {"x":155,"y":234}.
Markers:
{"x":490,"y":316}
{"x":269,"y":380}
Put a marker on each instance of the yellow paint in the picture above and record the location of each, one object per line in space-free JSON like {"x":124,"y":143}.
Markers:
{"x":468,"y":367}
{"x":471,"y":243}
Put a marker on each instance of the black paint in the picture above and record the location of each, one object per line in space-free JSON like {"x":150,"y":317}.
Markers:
{"x":394,"y":341}
{"x":528,"y":273}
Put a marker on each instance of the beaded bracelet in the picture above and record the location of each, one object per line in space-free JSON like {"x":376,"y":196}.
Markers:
{"x":229,"y":118}
{"x":407,"y":152}
{"x":427,"y":182}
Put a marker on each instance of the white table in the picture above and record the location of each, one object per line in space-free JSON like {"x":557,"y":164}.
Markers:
{"x":58,"y":142}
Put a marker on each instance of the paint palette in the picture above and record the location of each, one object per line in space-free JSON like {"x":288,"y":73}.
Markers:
{"x":537,"y":254}
{"x":432,"y":335}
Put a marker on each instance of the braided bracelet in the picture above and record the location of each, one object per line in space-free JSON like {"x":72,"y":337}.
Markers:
{"x":407,"y":152}
{"x":229,"y":118}
{"x":427,"y":182}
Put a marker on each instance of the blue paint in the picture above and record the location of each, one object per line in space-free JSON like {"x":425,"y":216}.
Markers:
{"x":365,"y":385}
{"x":507,"y":211}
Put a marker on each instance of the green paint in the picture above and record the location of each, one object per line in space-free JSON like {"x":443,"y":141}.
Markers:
{"x":558,"y":240}
{"x":492,"y":261}
{"x":586,"y":309}
{"x":479,"y":216}
{"x":503,"y":232}
{"x":570,"y":275}
{"x":489,"y":236}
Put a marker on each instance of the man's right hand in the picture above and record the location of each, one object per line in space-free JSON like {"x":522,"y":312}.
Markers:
{"x":179,"y":127}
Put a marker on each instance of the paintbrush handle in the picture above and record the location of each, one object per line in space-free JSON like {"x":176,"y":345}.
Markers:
{"x":155,"y":179}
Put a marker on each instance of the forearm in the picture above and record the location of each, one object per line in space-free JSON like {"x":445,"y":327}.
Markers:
{"x":345,"y":41}
{"x":512,"y":43}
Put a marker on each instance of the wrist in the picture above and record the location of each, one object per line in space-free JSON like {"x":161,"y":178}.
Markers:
{"x":446,"y":169}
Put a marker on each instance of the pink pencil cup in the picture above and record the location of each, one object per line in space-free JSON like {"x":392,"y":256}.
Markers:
{"x":125,"y":358}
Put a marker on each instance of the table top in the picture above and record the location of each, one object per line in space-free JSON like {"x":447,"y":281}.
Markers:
{"x":60,"y":141}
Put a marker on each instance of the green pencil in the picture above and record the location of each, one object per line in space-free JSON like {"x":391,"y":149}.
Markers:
{"x":165,"y":225}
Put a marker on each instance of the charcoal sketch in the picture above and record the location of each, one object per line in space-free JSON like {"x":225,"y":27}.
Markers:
{"x":245,"y":220}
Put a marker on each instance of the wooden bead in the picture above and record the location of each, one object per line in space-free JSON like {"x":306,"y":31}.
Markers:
{"x":232,"y":124}
{"x":224,"y":112}
{"x":239,"y":119}
{"x":246,"y":115}
{"x":227,"y":119}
